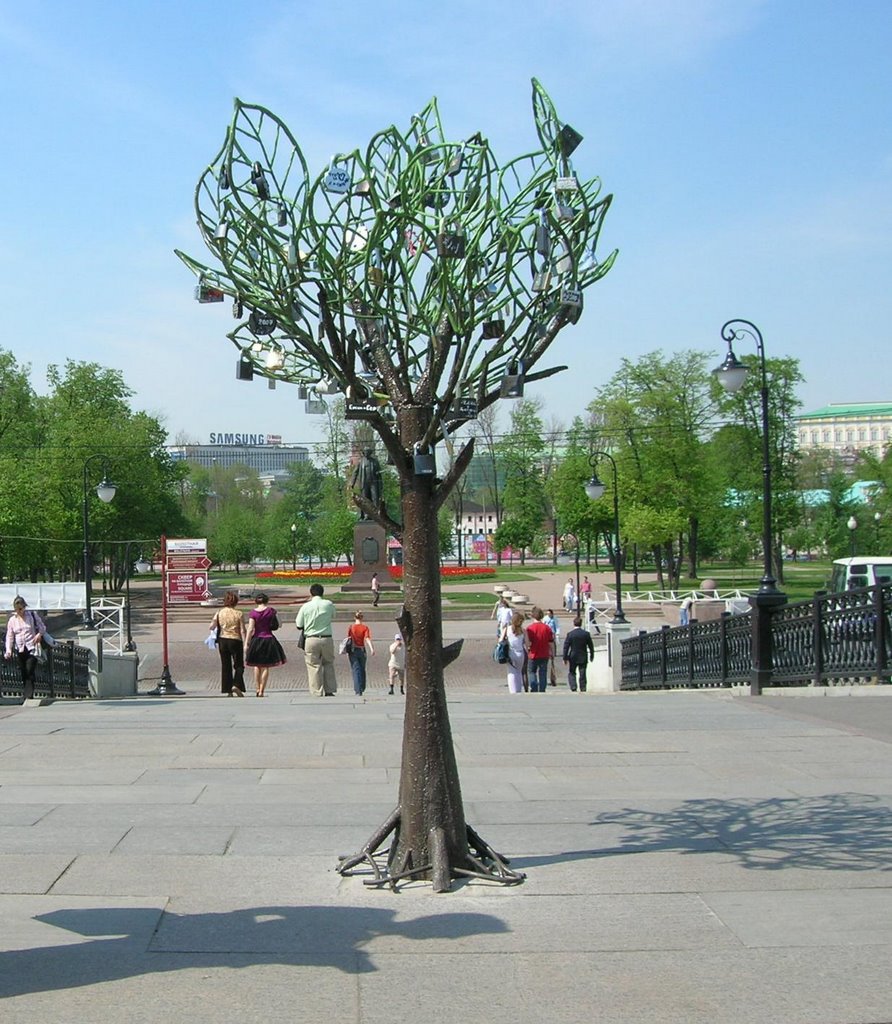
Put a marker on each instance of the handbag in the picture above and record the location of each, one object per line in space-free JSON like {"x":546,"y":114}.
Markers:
{"x":301,"y":638}
{"x":274,"y":622}
{"x":501,"y":652}
{"x":346,"y":645}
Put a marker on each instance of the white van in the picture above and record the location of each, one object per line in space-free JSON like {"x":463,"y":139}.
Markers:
{"x":862,"y":571}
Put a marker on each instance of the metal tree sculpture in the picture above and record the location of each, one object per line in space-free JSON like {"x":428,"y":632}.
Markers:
{"x":423,"y":282}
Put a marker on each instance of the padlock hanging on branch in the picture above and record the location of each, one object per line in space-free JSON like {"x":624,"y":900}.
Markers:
{"x":493,"y":329}
{"x":338,"y":178}
{"x":571,"y":301}
{"x":375,"y":272}
{"x":542,"y":279}
{"x":258,"y":180}
{"x":543,"y":235}
{"x":451,"y":240}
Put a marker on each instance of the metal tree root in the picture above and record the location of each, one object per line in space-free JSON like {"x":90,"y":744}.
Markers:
{"x":482,"y":861}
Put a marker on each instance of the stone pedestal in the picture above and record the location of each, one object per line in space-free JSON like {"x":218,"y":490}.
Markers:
{"x":369,"y":557}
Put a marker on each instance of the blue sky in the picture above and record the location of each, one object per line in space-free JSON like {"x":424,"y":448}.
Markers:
{"x":747,"y":143}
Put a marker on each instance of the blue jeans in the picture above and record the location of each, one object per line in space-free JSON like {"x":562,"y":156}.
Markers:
{"x":538,"y":673}
{"x":357,"y":667}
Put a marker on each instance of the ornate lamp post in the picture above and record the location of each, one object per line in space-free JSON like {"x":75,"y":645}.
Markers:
{"x":877,"y":516}
{"x":105,"y":491}
{"x":293,"y":546}
{"x":852,"y":524}
{"x":731,"y":375}
{"x":595,"y":490}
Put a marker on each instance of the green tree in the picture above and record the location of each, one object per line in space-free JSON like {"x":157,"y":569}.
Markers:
{"x":520,"y":454}
{"x":739,"y":446}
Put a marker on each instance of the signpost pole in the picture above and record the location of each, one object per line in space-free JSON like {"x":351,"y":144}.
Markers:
{"x":166,"y":686}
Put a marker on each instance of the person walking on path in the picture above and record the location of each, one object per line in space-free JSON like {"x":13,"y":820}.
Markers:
{"x":569,"y":595}
{"x":578,"y":651}
{"x":396,"y":667}
{"x":359,"y":647}
{"x":552,"y":624}
{"x":517,"y":652}
{"x":315,"y":618}
{"x":585,"y":589}
{"x":24,"y":636}
{"x":230,"y":626}
{"x":502,"y":614}
{"x":541,"y":644}
{"x":262,"y":649}
{"x":376,"y":590}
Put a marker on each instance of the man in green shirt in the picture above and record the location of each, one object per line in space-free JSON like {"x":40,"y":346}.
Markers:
{"x":315,"y":618}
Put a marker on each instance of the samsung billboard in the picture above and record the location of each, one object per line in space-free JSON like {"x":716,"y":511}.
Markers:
{"x":251,"y":440}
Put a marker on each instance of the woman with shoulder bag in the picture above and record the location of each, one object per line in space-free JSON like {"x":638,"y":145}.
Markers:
{"x":517,"y":652}
{"x":262,"y":650}
{"x":358,"y":645}
{"x":24,"y":636}
{"x":230,"y":627}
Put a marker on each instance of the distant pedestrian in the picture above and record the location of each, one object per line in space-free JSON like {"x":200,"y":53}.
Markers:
{"x":517,"y":652}
{"x":569,"y":596}
{"x":24,"y":635}
{"x":376,"y":590}
{"x":314,"y":618}
{"x":684,"y":611}
{"x":578,"y":651}
{"x":552,"y":624}
{"x":396,"y":667}
{"x":359,"y":648}
{"x":541,"y":646}
{"x":585,"y":589}
{"x":230,"y":626}
{"x":262,"y":650}
{"x":502,"y":614}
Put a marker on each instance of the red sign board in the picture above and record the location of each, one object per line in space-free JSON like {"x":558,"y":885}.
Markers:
{"x":184,"y":587}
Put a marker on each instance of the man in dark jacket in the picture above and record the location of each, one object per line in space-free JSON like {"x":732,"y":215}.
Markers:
{"x":578,"y":651}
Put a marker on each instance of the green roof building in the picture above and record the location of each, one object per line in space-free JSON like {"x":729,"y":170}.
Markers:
{"x":847,"y":429}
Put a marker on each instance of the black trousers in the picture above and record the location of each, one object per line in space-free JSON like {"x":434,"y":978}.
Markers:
{"x":232,"y":664}
{"x":28,"y":670}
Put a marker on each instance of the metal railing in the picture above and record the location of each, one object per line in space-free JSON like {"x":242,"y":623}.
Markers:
{"x":64,"y":674}
{"x":831,"y":640}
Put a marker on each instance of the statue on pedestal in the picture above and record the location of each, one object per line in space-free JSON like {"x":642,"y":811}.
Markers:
{"x":366,"y":479}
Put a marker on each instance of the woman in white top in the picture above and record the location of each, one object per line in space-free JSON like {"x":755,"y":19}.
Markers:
{"x":517,"y":652}
{"x":569,"y":596}
{"x":24,"y":635}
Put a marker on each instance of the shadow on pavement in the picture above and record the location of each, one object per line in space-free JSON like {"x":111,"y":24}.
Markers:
{"x":310,"y":936}
{"x":842,"y":832}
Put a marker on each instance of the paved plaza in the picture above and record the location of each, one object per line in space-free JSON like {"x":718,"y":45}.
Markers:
{"x":690,"y":857}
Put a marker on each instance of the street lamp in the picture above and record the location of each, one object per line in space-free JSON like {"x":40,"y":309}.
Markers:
{"x":731,"y":375}
{"x":876,"y":529}
{"x":595,"y":490}
{"x":105,"y":491}
{"x":852,"y":524}
{"x":293,"y":546}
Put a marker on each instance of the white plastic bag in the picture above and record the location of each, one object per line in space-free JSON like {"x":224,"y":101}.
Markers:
{"x":211,"y":640}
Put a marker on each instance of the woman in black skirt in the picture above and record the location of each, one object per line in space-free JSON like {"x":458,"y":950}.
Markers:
{"x":262,"y":650}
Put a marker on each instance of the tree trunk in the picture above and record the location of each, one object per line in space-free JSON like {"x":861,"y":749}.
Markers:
{"x":430,"y":793}
{"x":431,"y":838}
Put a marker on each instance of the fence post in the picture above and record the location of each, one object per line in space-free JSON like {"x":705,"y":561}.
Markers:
{"x":664,"y":660}
{"x":691,"y":625}
{"x":723,"y":646}
{"x":642,"y":633}
{"x":879,"y":643}
{"x":764,"y":605}
{"x":817,"y":636}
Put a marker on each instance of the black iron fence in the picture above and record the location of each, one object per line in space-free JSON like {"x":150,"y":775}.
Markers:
{"x":830,"y":640}
{"x":64,"y":674}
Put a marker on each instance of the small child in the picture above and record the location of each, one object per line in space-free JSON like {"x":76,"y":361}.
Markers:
{"x":397,"y":664}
